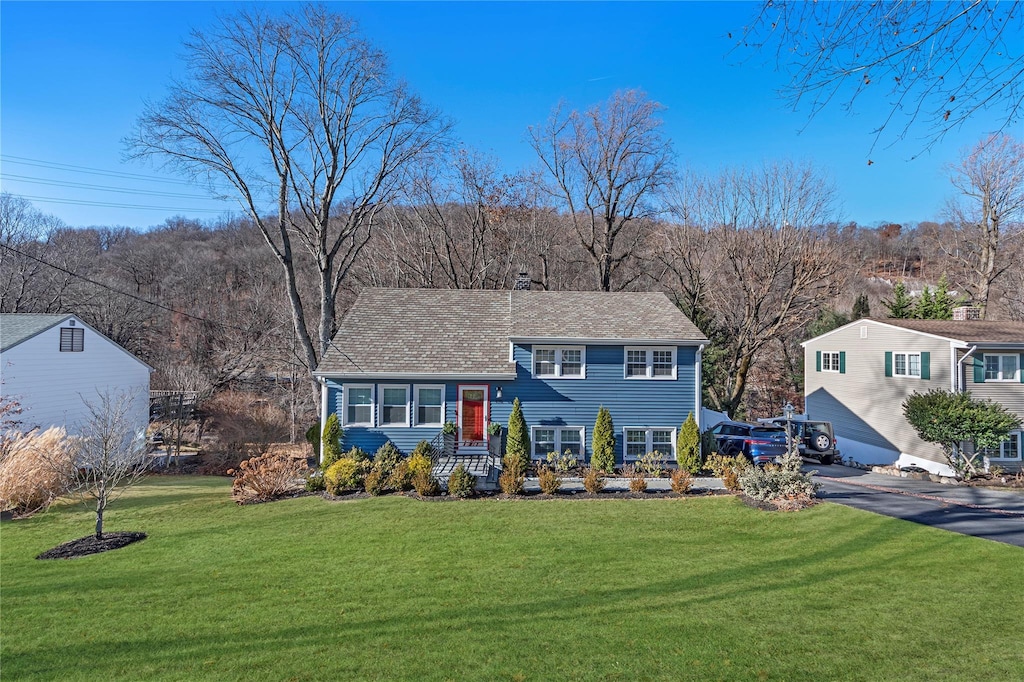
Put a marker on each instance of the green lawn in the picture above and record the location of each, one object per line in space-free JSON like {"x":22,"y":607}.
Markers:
{"x":389,"y":588}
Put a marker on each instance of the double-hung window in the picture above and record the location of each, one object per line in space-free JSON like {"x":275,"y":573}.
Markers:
{"x":830,"y":361}
{"x":394,"y":408}
{"x":558,"y":439}
{"x":358,"y":406}
{"x":429,"y":405}
{"x":906,"y":364}
{"x":640,"y":441}
{"x":561,"y":362}
{"x":1001,"y":367}
{"x":650,"y":363}
{"x":1008,"y":449}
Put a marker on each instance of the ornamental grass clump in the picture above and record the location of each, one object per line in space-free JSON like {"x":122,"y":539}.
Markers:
{"x":267,"y":477}
{"x":549,"y":480}
{"x":35,"y":469}
{"x":461,"y":483}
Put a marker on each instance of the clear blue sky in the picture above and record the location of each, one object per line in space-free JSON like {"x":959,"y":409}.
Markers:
{"x":74,"y":76}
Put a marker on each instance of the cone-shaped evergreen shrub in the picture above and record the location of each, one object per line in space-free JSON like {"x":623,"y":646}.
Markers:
{"x":603,"y":456}
{"x":688,"y":445}
{"x":517,"y":449}
{"x":332,"y":442}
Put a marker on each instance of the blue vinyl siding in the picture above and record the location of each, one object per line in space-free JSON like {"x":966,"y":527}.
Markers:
{"x":561,"y":402}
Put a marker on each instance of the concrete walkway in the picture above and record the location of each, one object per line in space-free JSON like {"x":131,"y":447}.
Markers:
{"x":981,"y":512}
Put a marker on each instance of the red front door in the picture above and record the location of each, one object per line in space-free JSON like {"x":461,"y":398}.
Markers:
{"x":472,"y":415}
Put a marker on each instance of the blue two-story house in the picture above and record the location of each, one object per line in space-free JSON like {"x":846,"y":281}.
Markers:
{"x":405,"y":361}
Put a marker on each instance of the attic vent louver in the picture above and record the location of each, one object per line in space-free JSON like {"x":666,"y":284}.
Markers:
{"x":522,"y":282}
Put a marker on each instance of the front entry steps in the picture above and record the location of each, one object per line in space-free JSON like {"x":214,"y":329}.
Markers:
{"x":486,"y":468}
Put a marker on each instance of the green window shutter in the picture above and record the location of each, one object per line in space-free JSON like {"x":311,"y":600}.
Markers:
{"x":817,"y":360}
{"x":888,"y":363}
{"x":926,"y":365}
{"x":1020,"y":368}
{"x":979,"y":368}
{"x":842,"y":362}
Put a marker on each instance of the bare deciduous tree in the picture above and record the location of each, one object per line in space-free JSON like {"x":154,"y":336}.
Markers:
{"x":299,"y":115}
{"x":607,"y":166}
{"x":942,"y":62}
{"x":109,"y":453}
{"x":990,"y":179}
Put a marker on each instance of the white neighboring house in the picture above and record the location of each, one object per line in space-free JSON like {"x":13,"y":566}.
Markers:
{"x":53,"y":364}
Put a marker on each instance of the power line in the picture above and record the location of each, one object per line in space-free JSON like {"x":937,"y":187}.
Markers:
{"x":26,"y":161}
{"x":103,"y":188}
{"x":60,"y":268}
{"x":107,"y":204}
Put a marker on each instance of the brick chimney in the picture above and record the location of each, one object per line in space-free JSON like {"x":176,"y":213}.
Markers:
{"x":967,"y":312}
{"x":522,"y":282}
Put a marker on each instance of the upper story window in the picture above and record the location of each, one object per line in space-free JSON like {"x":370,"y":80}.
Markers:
{"x":358,"y":406}
{"x":1001,"y":367}
{"x":650,"y":363}
{"x":561,"y":362}
{"x":830,"y":361}
{"x":911,"y":365}
{"x":72,"y":339}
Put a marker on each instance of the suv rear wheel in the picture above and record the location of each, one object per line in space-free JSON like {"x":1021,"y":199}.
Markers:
{"x":821,"y":442}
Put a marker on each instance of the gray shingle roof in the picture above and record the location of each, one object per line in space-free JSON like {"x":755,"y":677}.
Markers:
{"x":18,"y":327}
{"x":466,"y":332}
{"x":969,"y":331}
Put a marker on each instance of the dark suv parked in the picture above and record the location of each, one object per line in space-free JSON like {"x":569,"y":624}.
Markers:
{"x":816,"y":440}
{"x":760,"y":443}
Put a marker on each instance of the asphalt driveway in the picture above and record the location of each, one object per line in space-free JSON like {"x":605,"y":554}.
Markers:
{"x":985,"y":513}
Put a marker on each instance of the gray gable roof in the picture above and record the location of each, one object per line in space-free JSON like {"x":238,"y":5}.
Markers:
{"x":422,"y":332}
{"x":968,"y":331}
{"x":18,"y":327}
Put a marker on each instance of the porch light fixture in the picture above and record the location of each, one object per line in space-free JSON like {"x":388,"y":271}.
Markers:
{"x":497,"y":392}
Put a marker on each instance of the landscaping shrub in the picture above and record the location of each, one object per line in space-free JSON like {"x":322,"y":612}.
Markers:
{"x":315,"y":481}
{"x":517,"y":447}
{"x":401,"y":477}
{"x":461,"y":483}
{"x":386,"y":459}
{"x":682,"y":481}
{"x":549,"y":479}
{"x":512,"y":478}
{"x":425,"y":485}
{"x":421,"y":458}
{"x":356,"y":454}
{"x":313,"y":438}
{"x":688,"y":445}
{"x":35,"y":469}
{"x":652,"y":464}
{"x":783,"y":482}
{"x":637,"y":482}
{"x":719,"y":464}
{"x":344,"y":475}
{"x":375,"y":482}
{"x":731,"y":479}
{"x":267,"y":477}
{"x":563,"y":463}
{"x":331,"y":442}
{"x":603,"y":456}
{"x":708,"y":445}
{"x":593,"y":480}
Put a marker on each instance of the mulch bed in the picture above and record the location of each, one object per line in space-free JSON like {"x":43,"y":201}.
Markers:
{"x":91,"y":545}
{"x":568,"y":495}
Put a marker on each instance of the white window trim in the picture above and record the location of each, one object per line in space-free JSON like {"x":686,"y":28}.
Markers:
{"x":649,"y":358}
{"x":833,"y":355}
{"x":1015,"y":434}
{"x":416,"y":405}
{"x":558,"y":362}
{"x":648,"y":444}
{"x":380,"y":392}
{"x":558,"y":428}
{"x":1016,"y":375}
{"x":908,"y":353}
{"x":345,"y":404}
